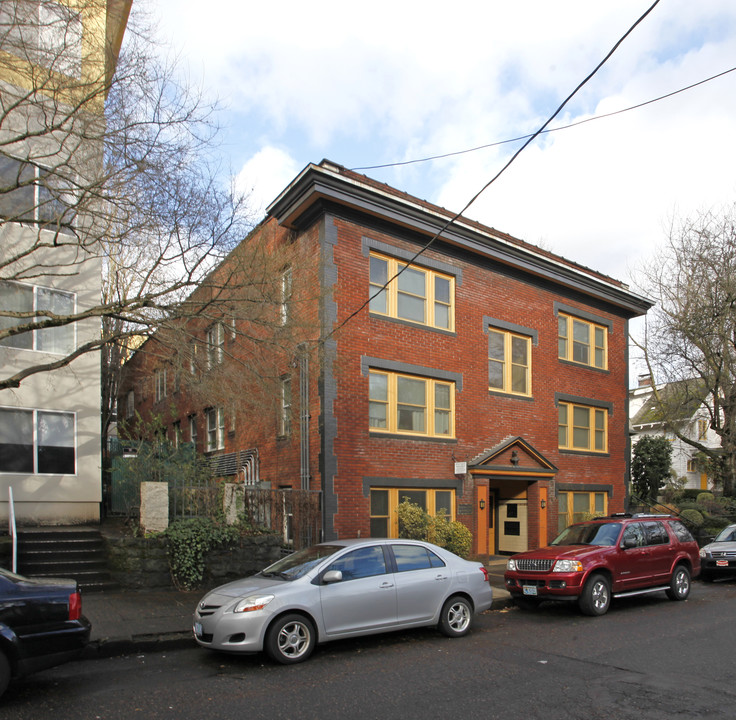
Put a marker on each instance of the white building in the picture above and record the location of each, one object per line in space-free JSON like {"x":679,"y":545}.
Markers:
{"x":645,"y":419}
{"x":55,"y":58}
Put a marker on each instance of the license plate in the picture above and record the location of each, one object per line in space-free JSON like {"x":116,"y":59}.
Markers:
{"x":722,"y":563}
{"x":530,"y":590}
{"x":198,"y":629}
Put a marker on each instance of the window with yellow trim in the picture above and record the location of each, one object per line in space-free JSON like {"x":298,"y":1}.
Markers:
{"x":583,"y":342}
{"x":385,"y":501}
{"x":575,"y":507}
{"x":509,"y":362}
{"x":418,"y":294}
{"x":411,"y":405}
{"x":581,"y":427}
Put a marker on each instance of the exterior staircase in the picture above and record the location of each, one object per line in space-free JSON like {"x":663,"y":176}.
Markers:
{"x":67,"y":552}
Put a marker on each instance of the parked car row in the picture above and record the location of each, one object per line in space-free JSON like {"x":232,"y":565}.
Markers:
{"x":348,"y":588}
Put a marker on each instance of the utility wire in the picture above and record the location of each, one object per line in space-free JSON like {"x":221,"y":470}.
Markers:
{"x":530,"y":139}
{"x":548,"y":130}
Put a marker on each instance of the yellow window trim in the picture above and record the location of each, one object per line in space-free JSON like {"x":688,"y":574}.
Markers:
{"x":430,"y":299}
{"x":429,"y":407}
{"x":508,"y":365}
{"x":569,"y":339}
{"x":592,"y":428}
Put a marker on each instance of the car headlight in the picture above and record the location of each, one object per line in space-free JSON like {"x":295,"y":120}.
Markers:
{"x":511,"y":564}
{"x":568,"y":566}
{"x":704,"y":552}
{"x":252,"y":602}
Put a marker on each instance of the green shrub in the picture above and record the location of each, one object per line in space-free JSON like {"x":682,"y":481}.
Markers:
{"x":417,"y":524}
{"x":692,"y":517}
{"x":704,"y":497}
{"x":188,"y":542}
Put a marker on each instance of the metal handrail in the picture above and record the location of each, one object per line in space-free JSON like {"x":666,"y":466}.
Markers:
{"x":12,"y":529}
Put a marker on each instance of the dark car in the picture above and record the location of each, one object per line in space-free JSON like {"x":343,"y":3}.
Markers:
{"x":41,"y":624}
{"x":591,"y":562}
{"x":718,"y":558}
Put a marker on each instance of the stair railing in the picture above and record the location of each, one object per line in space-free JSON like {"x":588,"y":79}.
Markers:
{"x":12,"y":528}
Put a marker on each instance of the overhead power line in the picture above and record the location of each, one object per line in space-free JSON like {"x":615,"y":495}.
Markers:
{"x":529,"y":140}
{"x":442,"y":156}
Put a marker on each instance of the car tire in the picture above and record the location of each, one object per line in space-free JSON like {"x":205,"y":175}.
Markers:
{"x":290,"y":639}
{"x":456,"y":616}
{"x":527,"y":603}
{"x":596,"y":596}
{"x":4,"y":672}
{"x":679,"y":587}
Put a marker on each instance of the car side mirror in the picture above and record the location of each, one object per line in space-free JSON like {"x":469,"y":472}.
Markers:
{"x":629,"y":542}
{"x":332,"y":576}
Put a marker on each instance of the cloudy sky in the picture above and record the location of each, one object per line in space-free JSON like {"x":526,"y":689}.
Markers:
{"x":389,"y":82}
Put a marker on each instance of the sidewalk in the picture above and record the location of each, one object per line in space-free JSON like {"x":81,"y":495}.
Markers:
{"x":138,"y":621}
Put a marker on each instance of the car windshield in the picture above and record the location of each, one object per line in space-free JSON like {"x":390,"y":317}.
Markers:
{"x":727,"y":535}
{"x":589,"y":534}
{"x":299,"y":563}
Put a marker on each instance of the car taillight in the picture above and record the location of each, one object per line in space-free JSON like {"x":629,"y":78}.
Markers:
{"x":485,"y":573}
{"x":75,"y":606}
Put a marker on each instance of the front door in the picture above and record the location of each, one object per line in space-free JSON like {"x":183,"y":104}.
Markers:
{"x":512,"y":526}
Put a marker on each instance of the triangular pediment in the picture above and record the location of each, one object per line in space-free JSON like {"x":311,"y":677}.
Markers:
{"x":513,"y":457}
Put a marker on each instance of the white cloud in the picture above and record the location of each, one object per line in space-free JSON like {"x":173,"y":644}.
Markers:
{"x":263,"y":177}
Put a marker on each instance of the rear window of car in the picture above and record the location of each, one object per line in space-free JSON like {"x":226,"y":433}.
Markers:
{"x":681,"y":532}
{"x":415,"y":557}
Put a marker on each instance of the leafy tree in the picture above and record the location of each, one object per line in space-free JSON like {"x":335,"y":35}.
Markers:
{"x":690,"y":340}
{"x":650,"y":466}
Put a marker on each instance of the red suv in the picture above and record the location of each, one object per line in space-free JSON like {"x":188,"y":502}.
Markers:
{"x":619,"y":555}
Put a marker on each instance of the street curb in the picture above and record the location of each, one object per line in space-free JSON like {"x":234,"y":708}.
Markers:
{"x":115,"y":647}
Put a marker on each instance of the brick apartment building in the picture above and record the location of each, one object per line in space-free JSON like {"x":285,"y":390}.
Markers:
{"x":489,"y":379}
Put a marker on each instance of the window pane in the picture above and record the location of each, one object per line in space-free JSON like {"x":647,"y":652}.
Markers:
{"x":16,"y":298}
{"x":441,"y":315}
{"x":495,"y":374}
{"x":379,"y":502}
{"x":56,"y":443}
{"x":379,"y":271}
{"x":412,"y":281}
{"x":496,"y":345}
{"x":443,"y":502}
{"x":600,"y":503}
{"x":562,"y":326}
{"x":17,"y":196}
{"x":58,"y":339}
{"x":411,"y":419}
{"x":581,"y":417}
{"x":377,"y":415}
{"x":442,"y":290}
{"x":441,"y":422}
{"x":410,"y":308}
{"x":378,"y":303}
{"x":379,"y":527}
{"x":418,"y":497}
{"x":442,"y":396}
{"x":518,"y":379}
{"x":16,"y":441}
{"x":411,"y":391}
{"x":562,"y":425}
{"x":378,"y":387}
{"x":581,"y":438}
{"x":519,"y":351}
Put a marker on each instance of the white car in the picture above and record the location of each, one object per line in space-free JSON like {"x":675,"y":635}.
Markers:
{"x":342,"y":589}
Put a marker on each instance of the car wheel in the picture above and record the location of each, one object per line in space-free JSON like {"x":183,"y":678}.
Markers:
{"x":456,"y":617}
{"x":679,"y":587}
{"x":527,"y":603}
{"x":290,"y":639}
{"x":596,"y":596}
{"x":4,"y":672}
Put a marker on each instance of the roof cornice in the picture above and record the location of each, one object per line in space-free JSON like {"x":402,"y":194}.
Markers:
{"x":329,"y":182}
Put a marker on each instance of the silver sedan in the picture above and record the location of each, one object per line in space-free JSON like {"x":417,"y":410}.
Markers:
{"x":342,"y":589}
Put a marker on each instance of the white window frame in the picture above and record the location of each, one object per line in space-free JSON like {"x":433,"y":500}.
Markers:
{"x":215,"y":429}
{"x":36,"y":414}
{"x":159,"y":381}
{"x":36,"y":336}
{"x":215,"y":345}
{"x":285,"y":407}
